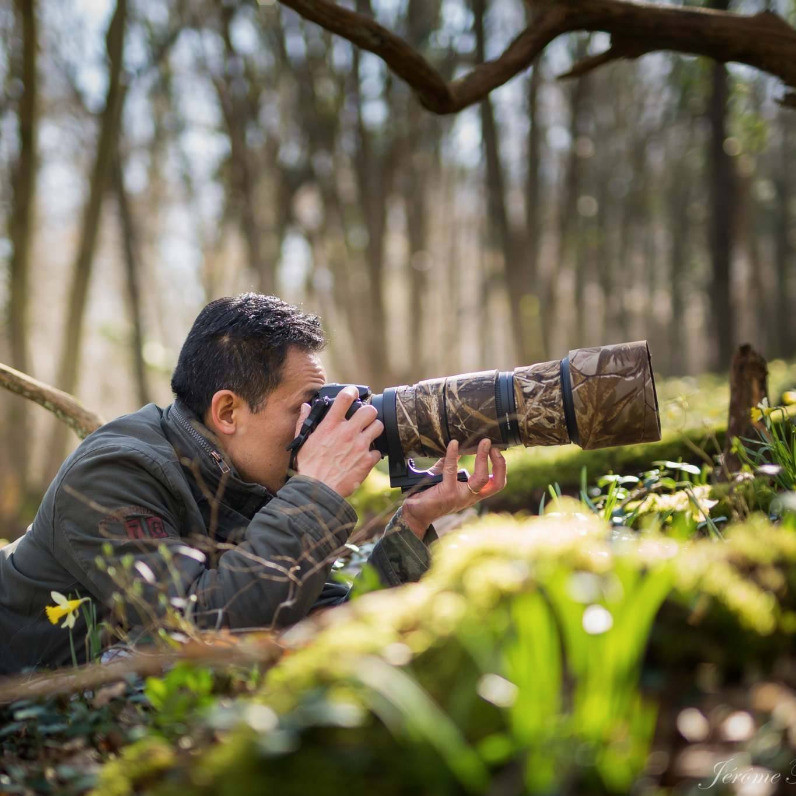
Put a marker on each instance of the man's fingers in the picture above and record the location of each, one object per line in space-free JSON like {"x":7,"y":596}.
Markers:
{"x":364,"y":417}
{"x":342,"y":403}
{"x":373,"y":430}
{"x":450,"y":465}
{"x":480,"y":475}
{"x":305,"y":410}
{"x":498,"y":478}
{"x":498,"y":469}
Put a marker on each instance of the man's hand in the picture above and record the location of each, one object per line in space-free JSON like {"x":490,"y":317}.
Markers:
{"x":338,"y":451}
{"x":420,"y":510}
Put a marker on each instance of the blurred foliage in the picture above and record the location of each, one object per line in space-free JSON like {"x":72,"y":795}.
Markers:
{"x":515,"y":666}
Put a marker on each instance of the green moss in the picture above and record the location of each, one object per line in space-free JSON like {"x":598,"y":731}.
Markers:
{"x":137,"y":766}
{"x":398,"y":675}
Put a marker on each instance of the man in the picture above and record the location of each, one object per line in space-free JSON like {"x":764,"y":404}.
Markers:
{"x":192,"y":509}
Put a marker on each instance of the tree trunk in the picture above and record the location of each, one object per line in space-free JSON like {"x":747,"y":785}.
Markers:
{"x":500,"y":236}
{"x":748,"y":387}
{"x":679,"y":224}
{"x":420,"y":143}
{"x":69,"y":362}
{"x":568,"y":218}
{"x":416,"y":208}
{"x":783,"y":336}
{"x":531,"y":309}
{"x":132,"y":273}
{"x":722,"y":204}
{"x":374,"y":172}
{"x":231,"y":90}
{"x":23,"y":183}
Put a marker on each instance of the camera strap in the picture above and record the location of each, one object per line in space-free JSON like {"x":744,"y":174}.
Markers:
{"x":319,"y":409}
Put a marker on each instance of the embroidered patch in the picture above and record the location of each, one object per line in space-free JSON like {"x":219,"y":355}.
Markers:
{"x":144,"y":527}
{"x":138,"y":523}
{"x":135,"y":527}
{"x":155,"y":525}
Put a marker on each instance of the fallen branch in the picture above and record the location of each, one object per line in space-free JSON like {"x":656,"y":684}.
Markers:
{"x":225,"y":651}
{"x":64,"y":406}
{"x":764,"y":41}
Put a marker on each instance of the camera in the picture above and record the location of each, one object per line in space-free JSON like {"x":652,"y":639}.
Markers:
{"x":595,"y":397}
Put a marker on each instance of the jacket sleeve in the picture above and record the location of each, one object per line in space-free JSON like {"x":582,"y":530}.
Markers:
{"x":118,"y":518}
{"x":400,"y":557}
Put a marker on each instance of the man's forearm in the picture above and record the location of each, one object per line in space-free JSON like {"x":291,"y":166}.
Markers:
{"x":277,"y":573}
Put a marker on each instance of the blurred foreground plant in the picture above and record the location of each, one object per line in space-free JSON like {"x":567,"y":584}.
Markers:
{"x":774,"y":453}
{"x":514,"y":665}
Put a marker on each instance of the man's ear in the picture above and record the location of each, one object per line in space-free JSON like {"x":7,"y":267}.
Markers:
{"x":222,"y":415}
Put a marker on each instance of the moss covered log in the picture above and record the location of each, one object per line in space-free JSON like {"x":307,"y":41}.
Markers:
{"x":536,"y":656}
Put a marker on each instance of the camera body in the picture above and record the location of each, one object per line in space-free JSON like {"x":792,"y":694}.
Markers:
{"x":329,"y":392}
{"x":403,"y":473}
{"x":321,"y":404}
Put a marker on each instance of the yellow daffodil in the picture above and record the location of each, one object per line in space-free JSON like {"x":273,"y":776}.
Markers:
{"x":762,"y":410}
{"x":64,"y":608}
{"x":789,"y":397}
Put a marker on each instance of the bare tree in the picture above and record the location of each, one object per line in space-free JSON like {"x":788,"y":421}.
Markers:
{"x":239,"y":90}
{"x":500,"y":235}
{"x":23,"y":182}
{"x":132,"y":273}
{"x":723,"y":201}
{"x":784,"y":249}
{"x":110,"y":120}
{"x":568,"y":219}
{"x":532,"y":314}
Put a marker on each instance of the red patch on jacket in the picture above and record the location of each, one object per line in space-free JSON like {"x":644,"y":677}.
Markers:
{"x":155,"y":526}
{"x":144,"y":528}
{"x":135,"y":527}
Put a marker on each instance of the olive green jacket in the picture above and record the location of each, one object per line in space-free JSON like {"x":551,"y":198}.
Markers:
{"x":148,"y":509}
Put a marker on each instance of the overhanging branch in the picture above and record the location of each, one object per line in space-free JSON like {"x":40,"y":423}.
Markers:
{"x":764,"y":41}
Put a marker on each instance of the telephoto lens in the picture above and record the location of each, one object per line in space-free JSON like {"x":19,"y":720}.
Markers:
{"x":595,"y":397}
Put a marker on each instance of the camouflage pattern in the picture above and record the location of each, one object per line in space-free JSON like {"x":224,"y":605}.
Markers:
{"x":540,"y":404}
{"x":613,"y":391}
{"x":407,"y":421}
{"x":435,"y":411}
{"x":430,"y":416}
{"x":471,"y":409}
{"x":613,"y":396}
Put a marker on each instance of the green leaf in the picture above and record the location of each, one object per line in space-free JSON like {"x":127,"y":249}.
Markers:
{"x":405,"y":707}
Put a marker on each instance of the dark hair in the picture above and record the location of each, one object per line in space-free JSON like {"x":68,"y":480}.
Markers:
{"x":240,"y":343}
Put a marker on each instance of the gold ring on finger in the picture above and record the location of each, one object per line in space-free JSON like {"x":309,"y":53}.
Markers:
{"x":474,"y":491}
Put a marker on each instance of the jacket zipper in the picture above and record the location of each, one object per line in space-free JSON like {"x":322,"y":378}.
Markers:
{"x":222,"y":465}
{"x":214,"y":455}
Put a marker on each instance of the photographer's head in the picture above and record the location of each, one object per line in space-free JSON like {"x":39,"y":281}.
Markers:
{"x":247,"y":365}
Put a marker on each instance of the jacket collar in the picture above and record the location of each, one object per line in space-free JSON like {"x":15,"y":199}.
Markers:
{"x":206,"y":465}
